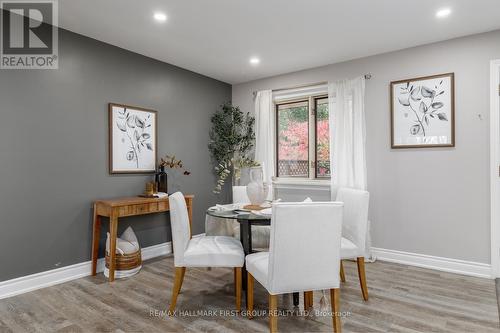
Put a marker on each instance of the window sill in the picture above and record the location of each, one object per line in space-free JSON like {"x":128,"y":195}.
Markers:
{"x":290,"y":183}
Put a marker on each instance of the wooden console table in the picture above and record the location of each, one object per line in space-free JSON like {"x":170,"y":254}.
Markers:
{"x":122,"y":207}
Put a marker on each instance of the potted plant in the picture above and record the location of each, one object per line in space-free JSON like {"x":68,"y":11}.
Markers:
{"x":232,"y":138}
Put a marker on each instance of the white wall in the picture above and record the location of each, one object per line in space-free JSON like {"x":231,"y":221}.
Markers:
{"x":427,"y":201}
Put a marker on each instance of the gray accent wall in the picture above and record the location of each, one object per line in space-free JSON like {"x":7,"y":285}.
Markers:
{"x":427,"y":201}
{"x":54,"y":155}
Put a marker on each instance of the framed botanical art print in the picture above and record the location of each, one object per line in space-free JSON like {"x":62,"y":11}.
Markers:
{"x":132,"y":139}
{"x":423,"y":112}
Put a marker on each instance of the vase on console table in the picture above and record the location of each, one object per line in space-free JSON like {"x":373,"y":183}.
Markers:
{"x":161,"y":179}
{"x":257,"y":190}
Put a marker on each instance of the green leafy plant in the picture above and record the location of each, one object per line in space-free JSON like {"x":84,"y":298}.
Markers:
{"x":232,"y":137}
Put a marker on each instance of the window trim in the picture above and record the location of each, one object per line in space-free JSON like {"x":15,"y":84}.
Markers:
{"x":311,"y":101}
{"x":316,"y":136}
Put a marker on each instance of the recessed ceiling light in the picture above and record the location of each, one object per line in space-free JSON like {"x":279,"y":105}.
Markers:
{"x":160,"y":17}
{"x":254,"y":61}
{"x":442,"y":13}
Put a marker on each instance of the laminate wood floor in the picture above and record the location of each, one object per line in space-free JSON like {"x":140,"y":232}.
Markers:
{"x":402,"y":299}
{"x":497,"y":283}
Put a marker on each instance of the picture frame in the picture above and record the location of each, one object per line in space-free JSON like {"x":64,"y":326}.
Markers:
{"x":423,"y":112}
{"x":133,"y":139}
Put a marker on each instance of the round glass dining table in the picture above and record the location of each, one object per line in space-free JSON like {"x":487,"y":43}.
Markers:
{"x":246,"y":221}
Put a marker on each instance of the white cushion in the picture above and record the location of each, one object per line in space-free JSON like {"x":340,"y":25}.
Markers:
{"x":129,"y":235}
{"x":258,"y":265}
{"x":348,"y":250}
{"x":127,"y":243}
{"x":214,"y":251}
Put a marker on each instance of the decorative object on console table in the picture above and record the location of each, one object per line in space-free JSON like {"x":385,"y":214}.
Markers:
{"x":423,"y":112}
{"x":161,"y":177}
{"x":132,"y":139}
{"x":232,"y":137}
{"x":149,"y":191}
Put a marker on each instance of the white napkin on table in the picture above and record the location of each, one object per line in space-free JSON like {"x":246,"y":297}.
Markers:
{"x":224,"y":208}
{"x":268,"y":204}
{"x":263,"y":212}
{"x":230,"y":206}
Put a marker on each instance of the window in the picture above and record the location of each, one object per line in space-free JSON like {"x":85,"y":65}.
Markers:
{"x":303,"y":140}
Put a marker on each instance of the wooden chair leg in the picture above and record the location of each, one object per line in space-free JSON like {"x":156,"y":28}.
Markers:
{"x":273,"y":315}
{"x":182,"y":278}
{"x":250,"y":282}
{"x":237,"y":287}
{"x":342,"y":274}
{"x":306,"y":301}
{"x":362,"y":277}
{"x":179,"y":275}
{"x":234,"y":280}
{"x":335,"y":301}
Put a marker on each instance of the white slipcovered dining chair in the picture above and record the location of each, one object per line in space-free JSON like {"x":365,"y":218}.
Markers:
{"x":215,"y":226}
{"x":204,"y":251}
{"x":299,"y":261}
{"x":260,"y":233}
{"x":354,"y":230}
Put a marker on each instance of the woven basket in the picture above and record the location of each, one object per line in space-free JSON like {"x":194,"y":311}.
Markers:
{"x":125,"y":262}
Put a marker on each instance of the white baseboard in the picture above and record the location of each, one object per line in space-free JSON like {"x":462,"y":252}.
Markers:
{"x":64,"y":274}
{"x":437,"y":263}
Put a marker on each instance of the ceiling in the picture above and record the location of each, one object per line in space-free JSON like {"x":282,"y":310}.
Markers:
{"x":218,"y":37}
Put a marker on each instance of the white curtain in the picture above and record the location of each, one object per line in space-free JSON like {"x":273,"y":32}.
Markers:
{"x":346,"y":102}
{"x":265,"y":133}
{"x":347,"y":133}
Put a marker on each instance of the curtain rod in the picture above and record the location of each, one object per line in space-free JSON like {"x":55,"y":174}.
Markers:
{"x":302,"y":86}
{"x":367,"y":77}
